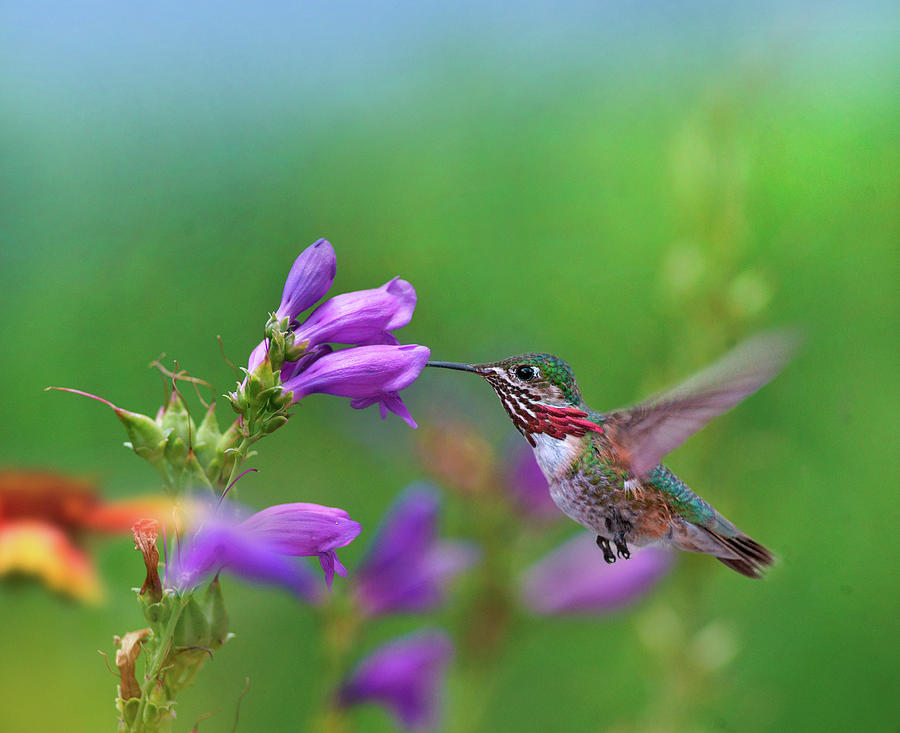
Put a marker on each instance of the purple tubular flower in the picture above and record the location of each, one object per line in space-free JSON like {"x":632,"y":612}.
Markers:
{"x":406,"y":568}
{"x":258,"y":355}
{"x":362,"y":317}
{"x":366,"y":374}
{"x":406,"y":676}
{"x":528,"y":487}
{"x":309,"y":279}
{"x":301,"y":529}
{"x":261,"y":547}
{"x":573,"y":579}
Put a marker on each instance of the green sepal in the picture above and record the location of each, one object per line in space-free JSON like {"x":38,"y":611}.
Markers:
{"x":217,"y":615}
{"x":176,"y":451}
{"x":195,"y":474}
{"x":207,"y":439}
{"x":192,"y":629}
{"x":177,"y":417}
{"x":220,"y":466}
{"x":146,"y":437}
{"x":296,"y":351}
{"x":128,"y":709}
{"x":273,"y":423}
{"x":153,"y":612}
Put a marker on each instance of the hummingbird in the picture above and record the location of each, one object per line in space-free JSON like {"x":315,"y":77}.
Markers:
{"x":604,"y":469}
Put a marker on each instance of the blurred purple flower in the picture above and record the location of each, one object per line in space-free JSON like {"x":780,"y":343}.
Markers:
{"x":527,"y":486}
{"x":366,"y":374}
{"x":406,"y":568}
{"x":406,"y":676}
{"x":362,"y":317}
{"x":574,"y":579}
{"x":310,"y":278}
{"x":261,"y":547}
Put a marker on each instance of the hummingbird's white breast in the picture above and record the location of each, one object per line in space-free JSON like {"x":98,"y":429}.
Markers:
{"x":555,"y":455}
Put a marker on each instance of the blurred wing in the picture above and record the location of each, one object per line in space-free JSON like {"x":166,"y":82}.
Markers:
{"x":648,"y":431}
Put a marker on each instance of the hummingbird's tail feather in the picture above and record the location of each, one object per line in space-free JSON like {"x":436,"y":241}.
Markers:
{"x":725,"y":542}
{"x":744,"y":554}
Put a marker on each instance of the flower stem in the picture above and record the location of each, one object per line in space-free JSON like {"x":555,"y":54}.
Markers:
{"x":240,"y":455}
{"x":154,"y":670}
{"x":340,"y":624}
{"x":488,"y":619}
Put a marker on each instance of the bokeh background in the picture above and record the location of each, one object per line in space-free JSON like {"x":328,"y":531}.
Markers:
{"x":634,"y":186}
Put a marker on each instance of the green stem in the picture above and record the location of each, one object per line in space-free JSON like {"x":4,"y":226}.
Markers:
{"x":340,"y":626}
{"x":240,"y":455}
{"x":489,"y":617}
{"x":153,"y":672}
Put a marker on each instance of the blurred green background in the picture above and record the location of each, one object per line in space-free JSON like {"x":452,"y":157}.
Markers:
{"x":632,"y":187}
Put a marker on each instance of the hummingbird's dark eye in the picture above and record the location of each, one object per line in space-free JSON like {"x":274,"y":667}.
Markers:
{"x":526,"y":373}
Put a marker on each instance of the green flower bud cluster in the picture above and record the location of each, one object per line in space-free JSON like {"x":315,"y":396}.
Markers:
{"x":184,"y":454}
{"x":260,"y":400}
{"x":184,"y":632}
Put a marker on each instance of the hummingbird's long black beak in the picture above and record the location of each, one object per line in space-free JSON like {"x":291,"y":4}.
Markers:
{"x":454,"y":365}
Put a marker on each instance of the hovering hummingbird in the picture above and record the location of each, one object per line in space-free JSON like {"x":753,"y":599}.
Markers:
{"x":604,"y":469}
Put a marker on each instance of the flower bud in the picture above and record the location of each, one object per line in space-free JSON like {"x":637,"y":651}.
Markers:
{"x":176,"y":418}
{"x":214,"y":608}
{"x":146,"y":437}
{"x":206,"y":439}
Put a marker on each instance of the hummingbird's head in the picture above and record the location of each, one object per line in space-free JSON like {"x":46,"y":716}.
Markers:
{"x":539,"y":378}
{"x":538,"y":391}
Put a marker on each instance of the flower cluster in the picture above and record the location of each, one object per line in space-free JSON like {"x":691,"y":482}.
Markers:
{"x":212,"y":534}
{"x":299,"y":355}
{"x":406,"y":570}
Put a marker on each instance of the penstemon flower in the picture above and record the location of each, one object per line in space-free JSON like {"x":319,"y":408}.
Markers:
{"x":310,"y":278}
{"x":298,"y":357}
{"x":407,"y":567}
{"x":406,"y":676}
{"x":181,"y":597}
{"x":261,"y":547}
{"x":366,"y":374}
{"x":362,"y":317}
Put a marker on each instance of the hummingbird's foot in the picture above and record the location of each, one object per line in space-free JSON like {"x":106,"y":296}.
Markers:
{"x":621,"y":548}
{"x":603,"y":544}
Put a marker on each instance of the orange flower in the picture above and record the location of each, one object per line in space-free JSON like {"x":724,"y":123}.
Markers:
{"x":43,"y":517}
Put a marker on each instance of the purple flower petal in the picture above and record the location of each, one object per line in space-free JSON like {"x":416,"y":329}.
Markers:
{"x":221,"y":546}
{"x":406,"y":569}
{"x":406,"y":676}
{"x":528,"y":488}
{"x":366,"y":374}
{"x":261,"y":548}
{"x":293,"y":368}
{"x":407,"y":530}
{"x":258,"y":355}
{"x":574,"y":579}
{"x":303,"y":529}
{"x":361,"y":317}
{"x":309,"y":279}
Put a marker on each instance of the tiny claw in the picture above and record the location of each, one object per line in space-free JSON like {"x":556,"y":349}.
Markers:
{"x":622,"y":548}
{"x":608,"y":555}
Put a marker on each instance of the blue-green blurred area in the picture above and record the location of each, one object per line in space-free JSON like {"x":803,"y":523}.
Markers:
{"x":632,"y":186}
